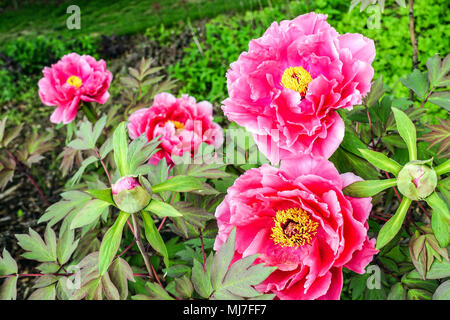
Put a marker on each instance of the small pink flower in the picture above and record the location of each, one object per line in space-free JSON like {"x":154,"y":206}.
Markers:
{"x":182,"y":123}
{"x":125,"y":183}
{"x":292,"y":80}
{"x":297,"y":219}
{"x":72,"y":79}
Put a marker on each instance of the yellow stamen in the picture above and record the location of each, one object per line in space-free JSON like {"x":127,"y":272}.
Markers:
{"x":297,"y":79}
{"x":293,"y":227}
{"x":178,"y":125}
{"x":75,"y":81}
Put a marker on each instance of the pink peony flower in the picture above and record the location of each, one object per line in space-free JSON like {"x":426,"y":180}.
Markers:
{"x":292,"y":79}
{"x":182,"y":123}
{"x":124,"y":183}
{"x":72,"y":79}
{"x":298,"y":219}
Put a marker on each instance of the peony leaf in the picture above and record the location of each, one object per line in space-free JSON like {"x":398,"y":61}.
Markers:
{"x":397,"y":292}
{"x":418,"y":82}
{"x":154,"y":238}
{"x":72,"y":202}
{"x":201,"y":278}
{"x":441,"y":98}
{"x":381,"y":161}
{"x":36,"y":248}
{"x":102,"y":194}
{"x":162,"y":209}
{"x":368,"y":188}
{"x":442,"y":292}
{"x":178,"y":184}
{"x":222,"y":260}
{"x":440,"y":219}
{"x":8,"y":289}
{"x":111,"y":242}
{"x":120,"y":273}
{"x":439,"y":135}
{"x":89,"y":213}
{"x":407,"y":131}
{"x":438,"y":70}
{"x":392,"y":227}
{"x":120,"y":146}
{"x":7,"y":264}
{"x":157,"y":292}
{"x":46,"y":293}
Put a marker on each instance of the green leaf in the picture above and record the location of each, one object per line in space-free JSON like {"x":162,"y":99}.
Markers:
{"x":442,"y":292}
{"x":140,"y":150}
{"x":154,"y":238}
{"x":352,"y":143}
{"x":77,"y":176}
{"x":397,"y":292}
{"x":441,"y":98}
{"x":162,"y":209}
{"x":157,"y":292}
{"x":120,"y":146}
{"x":183,"y":287}
{"x":66,"y":246}
{"x":440,"y":219}
{"x":407,"y":131}
{"x":381,"y":161}
{"x":7,"y":264}
{"x":368,"y":188}
{"x":242,"y":275}
{"x":37,"y":249}
{"x":439,"y":270}
{"x":437,"y":71}
{"x":102,"y":194}
{"x":201,"y":278}
{"x":443,"y":169}
{"x":72,"y":202}
{"x":120,"y":273}
{"x":358,"y":285}
{"x":222,"y":260}
{"x":416,"y":81}
{"x":98,"y":128}
{"x":178,"y":184}
{"x":376,"y":91}
{"x":346,"y":161}
{"x":419,"y":294}
{"x":111,"y":242}
{"x":392,"y":227}
{"x":89,"y":213}
{"x":46,"y":293}
{"x":440,"y":136}
{"x":8,"y":289}
{"x":109,"y":288}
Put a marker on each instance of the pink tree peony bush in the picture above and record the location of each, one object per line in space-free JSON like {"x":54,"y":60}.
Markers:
{"x":287,"y":87}
{"x":71,"y":80}
{"x":298,"y":219}
{"x":182,"y":123}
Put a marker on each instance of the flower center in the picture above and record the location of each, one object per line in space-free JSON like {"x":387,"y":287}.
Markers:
{"x":75,"y":81}
{"x":293,"y":227}
{"x":178,"y":125}
{"x":297,"y":79}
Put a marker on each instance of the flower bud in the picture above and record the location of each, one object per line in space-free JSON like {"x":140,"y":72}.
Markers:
{"x":416,"y":180}
{"x":129,"y":195}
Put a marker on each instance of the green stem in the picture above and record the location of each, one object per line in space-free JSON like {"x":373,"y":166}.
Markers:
{"x":89,"y":112}
{"x":137,"y":237}
{"x":443,"y":168}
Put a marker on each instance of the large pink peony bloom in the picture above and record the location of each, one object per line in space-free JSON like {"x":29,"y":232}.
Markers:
{"x":298,"y":219}
{"x":182,"y":122}
{"x":72,"y":79}
{"x":286,"y":88}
